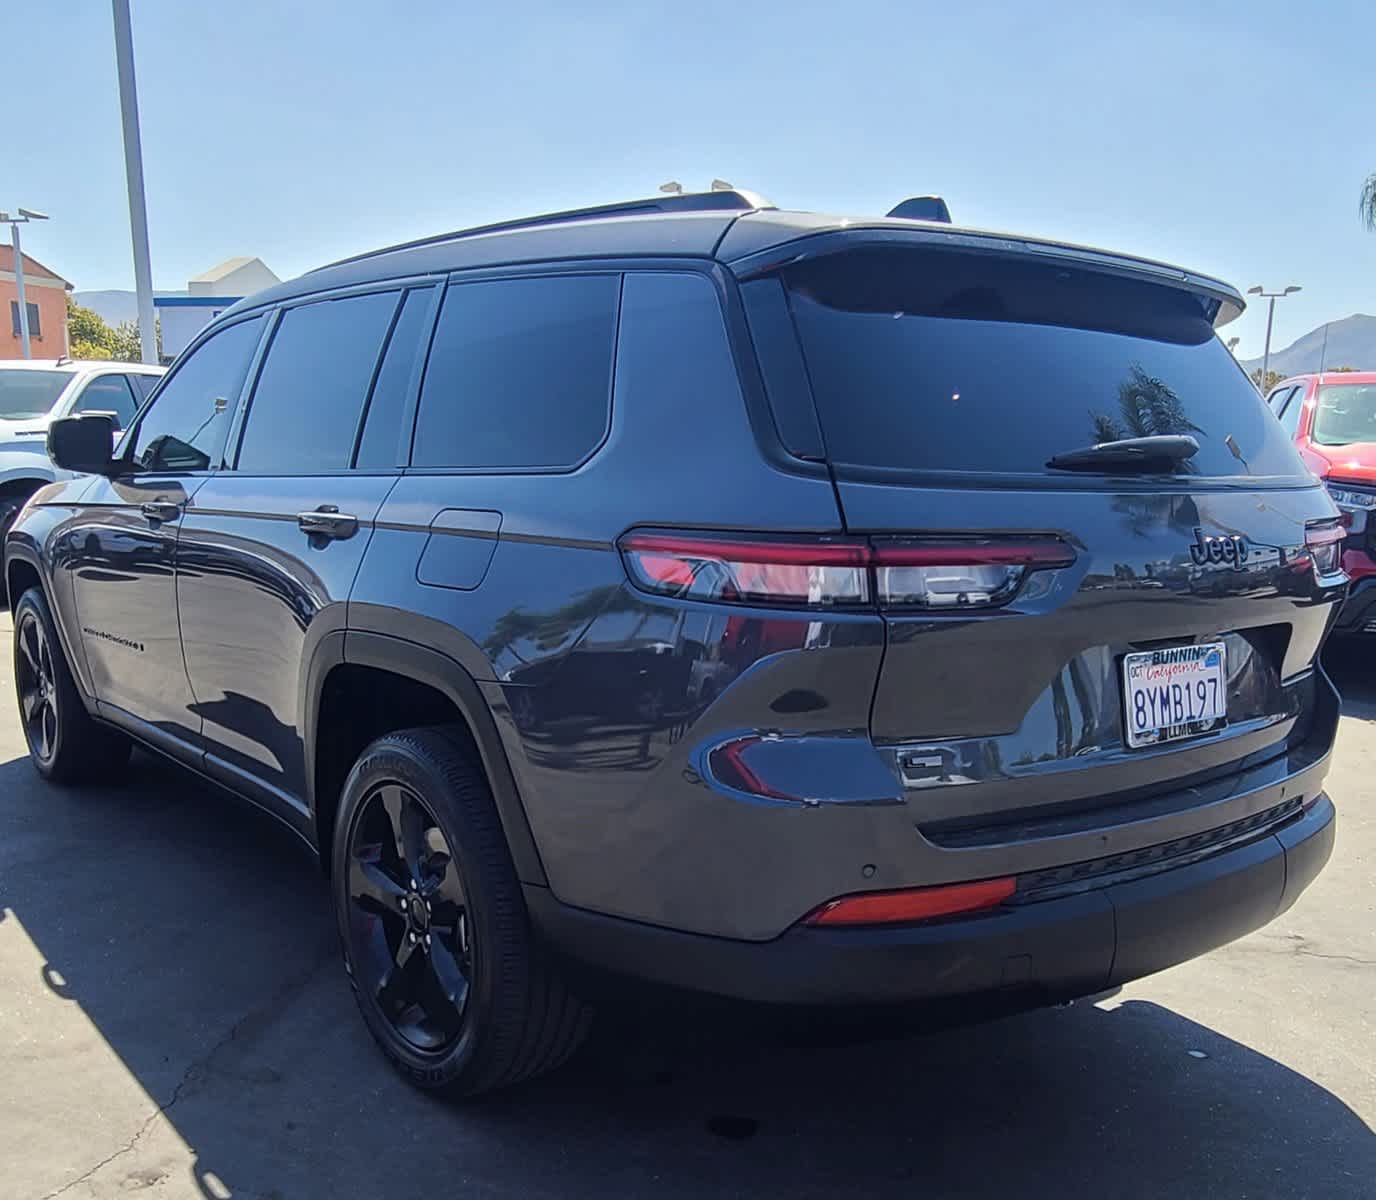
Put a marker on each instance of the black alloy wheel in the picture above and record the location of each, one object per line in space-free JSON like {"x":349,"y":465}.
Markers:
{"x":408,"y":919}
{"x":36,"y":681}
{"x":66,"y":744}
{"x":451,"y":979}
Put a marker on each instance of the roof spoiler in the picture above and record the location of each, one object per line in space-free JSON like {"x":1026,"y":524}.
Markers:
{"x":922,"y":208}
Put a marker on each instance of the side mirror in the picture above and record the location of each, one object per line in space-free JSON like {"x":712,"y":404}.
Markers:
{"x":82,"y":444}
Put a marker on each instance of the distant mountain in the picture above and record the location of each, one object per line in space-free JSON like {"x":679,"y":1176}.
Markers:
{"x":114,"y":307}
{"x":1351,"y":343}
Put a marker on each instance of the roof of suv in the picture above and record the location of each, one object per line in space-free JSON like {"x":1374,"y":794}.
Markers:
{"x":77,"y":365}
{"x":730,"y":227}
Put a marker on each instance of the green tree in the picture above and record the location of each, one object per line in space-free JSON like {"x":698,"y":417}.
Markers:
{"x":1366,"y":206}
{"x":90,"y":337}
{"x":1265,"y":385}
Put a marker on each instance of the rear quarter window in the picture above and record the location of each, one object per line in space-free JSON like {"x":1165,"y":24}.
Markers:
{"x":519,"y":373}
{"x":933,"y":361}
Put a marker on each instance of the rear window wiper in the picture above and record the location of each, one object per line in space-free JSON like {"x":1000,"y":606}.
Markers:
{"x":1142,"y":454}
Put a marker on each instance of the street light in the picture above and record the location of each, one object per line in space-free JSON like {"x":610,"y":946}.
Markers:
{"x":1270,"y":316}
{"x":25,"y":216}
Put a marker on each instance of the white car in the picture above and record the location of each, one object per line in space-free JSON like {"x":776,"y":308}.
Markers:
{"x":34,"y":392}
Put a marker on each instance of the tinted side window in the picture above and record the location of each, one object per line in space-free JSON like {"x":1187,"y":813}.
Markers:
{"x":1290,"y":414}
{"x":382,"y":427}
{"x":108,"y":393}
{"x":185,"y":428}
{"x":144,"y":385}
{"x":519,"y":373}
{"x":1276,"y":400}
{"x":306,"y":405}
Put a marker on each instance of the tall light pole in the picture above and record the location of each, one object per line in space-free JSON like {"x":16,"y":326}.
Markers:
{"x":133,"y":173}
{"x":25,"y":216}
{"x":1270,"y":316}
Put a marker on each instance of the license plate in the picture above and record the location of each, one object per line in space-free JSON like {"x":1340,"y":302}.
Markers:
{"x":1174,"y":693}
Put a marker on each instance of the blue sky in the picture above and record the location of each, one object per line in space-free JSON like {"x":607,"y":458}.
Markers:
{"x":1230,"y":137}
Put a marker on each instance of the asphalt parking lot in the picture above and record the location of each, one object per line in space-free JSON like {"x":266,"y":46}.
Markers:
{"x":174,"y":1021}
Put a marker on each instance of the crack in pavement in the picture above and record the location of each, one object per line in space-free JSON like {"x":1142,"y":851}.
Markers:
{"x":254,"y":1021}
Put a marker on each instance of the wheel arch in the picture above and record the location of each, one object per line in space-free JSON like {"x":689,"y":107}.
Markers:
{"x":429,"y":668}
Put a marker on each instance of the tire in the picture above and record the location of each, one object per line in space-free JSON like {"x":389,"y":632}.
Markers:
{"x":66,"y":745}
{"x":461,"y":997}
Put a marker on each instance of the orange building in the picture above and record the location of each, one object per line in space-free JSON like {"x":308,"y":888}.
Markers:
{"x":46,"y":295}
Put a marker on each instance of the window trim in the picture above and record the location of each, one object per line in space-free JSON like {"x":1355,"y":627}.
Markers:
{"x":544,"y":270}
{"x":211,"y":330}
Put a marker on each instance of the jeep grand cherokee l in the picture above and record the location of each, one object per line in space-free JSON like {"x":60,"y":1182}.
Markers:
{"x":805,"y":610}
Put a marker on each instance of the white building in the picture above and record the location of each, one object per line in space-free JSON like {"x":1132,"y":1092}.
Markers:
{"x":207,"y":296}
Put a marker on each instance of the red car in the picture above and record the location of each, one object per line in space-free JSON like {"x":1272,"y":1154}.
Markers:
{"x":1332,"y":418}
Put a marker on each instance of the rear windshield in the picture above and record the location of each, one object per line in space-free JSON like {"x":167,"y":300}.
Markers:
{"x":30,"y":393}
{"x":1345,"y":413}
{"x":940,"y":361}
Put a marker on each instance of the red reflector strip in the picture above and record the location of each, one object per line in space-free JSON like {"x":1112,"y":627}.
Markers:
{"x":913,"y":904}
{"x":1048,"y":553}
{"x":791,"y":554}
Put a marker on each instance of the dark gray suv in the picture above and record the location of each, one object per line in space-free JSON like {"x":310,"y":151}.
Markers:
{"x":819,"y":612}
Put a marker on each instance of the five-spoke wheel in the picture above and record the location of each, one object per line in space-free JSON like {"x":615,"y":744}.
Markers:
{"x":408,"y":919}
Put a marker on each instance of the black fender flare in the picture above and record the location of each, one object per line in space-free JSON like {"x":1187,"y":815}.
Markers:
{"x":432,"y":667}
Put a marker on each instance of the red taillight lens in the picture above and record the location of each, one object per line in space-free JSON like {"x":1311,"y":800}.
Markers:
{"x":754,"y":571}
{"x":913,"y":904}
{"x":1324,"y":540}
{"x":832,"y":572}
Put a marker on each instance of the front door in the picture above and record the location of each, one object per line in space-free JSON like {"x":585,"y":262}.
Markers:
{"x":270,"y":546}
{"x":119,"y":548}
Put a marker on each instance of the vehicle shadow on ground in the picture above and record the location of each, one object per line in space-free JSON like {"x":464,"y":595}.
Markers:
{"x":196,"y":939}
{"x":1351,"y":664}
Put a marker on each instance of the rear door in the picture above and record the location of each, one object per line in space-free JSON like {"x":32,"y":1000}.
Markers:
{"x":271,"y":545}
{"x":1028,"y":606}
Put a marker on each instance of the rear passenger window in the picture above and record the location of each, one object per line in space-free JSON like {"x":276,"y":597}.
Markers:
{"x":519,"y":373}
{"x":308,"y":400}
{"x":382,"y":426}
{"x":1290,"y":415}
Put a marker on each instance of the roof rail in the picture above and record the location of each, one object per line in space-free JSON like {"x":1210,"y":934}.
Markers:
{"x":734,"y":200}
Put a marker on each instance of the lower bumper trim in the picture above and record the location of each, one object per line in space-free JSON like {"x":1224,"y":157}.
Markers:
{"x":1039,"y":952}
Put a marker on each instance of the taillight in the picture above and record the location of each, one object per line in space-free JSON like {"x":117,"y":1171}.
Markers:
{"x":913,"y":904}
{"x":838,"y":572}
{"x":1323,"y":540}
{"x":817,"y":573}
{"x":960,"y":573}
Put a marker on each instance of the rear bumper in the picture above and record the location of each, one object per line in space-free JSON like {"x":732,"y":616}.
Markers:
{"x":1025,"y":955}
{"x":1358,"y":609}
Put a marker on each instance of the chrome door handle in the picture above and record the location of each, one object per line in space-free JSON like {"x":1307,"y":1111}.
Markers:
{"x":161,"y":510}
{"x":327,"y":522}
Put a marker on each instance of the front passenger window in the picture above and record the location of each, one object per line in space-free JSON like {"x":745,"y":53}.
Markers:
{"x":186,"y":426}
